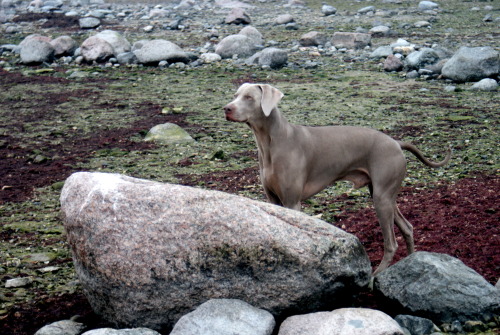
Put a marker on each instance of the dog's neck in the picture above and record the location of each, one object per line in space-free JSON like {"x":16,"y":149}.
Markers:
{"x":274,"y":124}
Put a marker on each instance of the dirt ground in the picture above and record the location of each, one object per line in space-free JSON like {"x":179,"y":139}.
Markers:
{"x":459,"y":219}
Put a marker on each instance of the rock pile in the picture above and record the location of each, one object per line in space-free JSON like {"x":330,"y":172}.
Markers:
{"x":248,"y":47}
{"x":148,"y":254}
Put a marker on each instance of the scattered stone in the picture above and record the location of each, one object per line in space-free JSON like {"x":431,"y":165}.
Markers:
{"x":168,"y":133}
{"x":36,"y":51}
{"x":284,"y":19}
{"x":238,"y":16}
{"x":486,"y":85}
{"x":415,"y":324}
{"x":192,"y":245}
{"x":359,"y":321}
{"x":313,"y":38}
{"x":253,"y":34}
{"x":210,"y":57}
{"x":89,"y":22}
{"x":400,"y":43}
{"x":366,"y":10}
{"x":422,"y":58}
{"x":96,"y":49}
{"x":126,"y":58}
{"x":351,"y":40}
{"x":427,"y":5}
{"x":225,"y":317}
{"x":155,"y":51}
{"x":270,"y":57}
{"x":393,"y":63}
{"x":49,"y":269}
{"x":328,"y":10}
{"x":472,"y":64}
{"x":18,"y":282}
{"x":438,"y":287}
{"x":381,"y":52}
{"x":42,"y":257}
{"x":116,"y":40}
{"x":422,"y":24}
{"x":64,"y":45}
{"x":380,"y":31}
{"x":64,"y":327}
{"x":240,"y":45}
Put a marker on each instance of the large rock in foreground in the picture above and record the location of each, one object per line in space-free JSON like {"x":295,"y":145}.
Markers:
{"x":439,"y":287}
{"x":147,"y":253}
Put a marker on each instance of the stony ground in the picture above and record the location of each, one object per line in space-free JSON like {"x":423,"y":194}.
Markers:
{"x":53,"y":124}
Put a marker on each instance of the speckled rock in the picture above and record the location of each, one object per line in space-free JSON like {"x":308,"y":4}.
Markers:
{"x":225,"y":317}
{"x":438,"y":287}
{"x":359,"y":321}
{"x":146,"y":253}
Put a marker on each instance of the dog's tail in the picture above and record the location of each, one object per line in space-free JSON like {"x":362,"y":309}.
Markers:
{"x":413,"y":149}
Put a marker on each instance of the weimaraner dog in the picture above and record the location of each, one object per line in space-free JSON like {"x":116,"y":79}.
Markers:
{"x":296,"y":162}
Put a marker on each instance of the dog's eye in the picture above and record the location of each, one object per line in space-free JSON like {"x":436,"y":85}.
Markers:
{"x":248,"y":97}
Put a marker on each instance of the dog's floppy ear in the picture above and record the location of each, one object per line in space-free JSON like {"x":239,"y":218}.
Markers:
{"x":270,"y":98}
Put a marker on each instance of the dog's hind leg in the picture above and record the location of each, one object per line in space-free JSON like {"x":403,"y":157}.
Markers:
{"x":406,"y":230}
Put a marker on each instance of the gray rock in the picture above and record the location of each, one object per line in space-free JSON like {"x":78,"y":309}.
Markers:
{"x":313,"y":38}
{"x":147,"y":253}
{"x":36,"y":51}
{"x":116,"y":40}
{"x":210,"y":57}
{"x":351,"y":40}
{"x":486,"y":84}
{"x":422,"y":24}
{"x":240,"y":45}
{"x":328,"y":10}
{"x":272,"y":57}
{"x":18,"y":282}
{"x":438,"y":287}
{"x":413,"y":74}
{"x":65,"y":327}
{"x":359,"y":321}
{"x":225,"y":317}
{"x":381,"y":52}
{"x":472,"y":64}
{"x":133,"y":331}
{"x":64,"y":45}
{"x":96,"y":49}
{"x":380,"y":31}
{"x":284,"y":19}
{"x":253,"y":34}
{"x":415,"y":324}
{"x":168,"y":133}
{"x":422,"y":58}
{"x":427,"y":5}
{"x":89,"y":22}
{"x":126,"y":58}
{"x":155,"y":51}
{"x":238,"y":16}
{"x":366,"y":10}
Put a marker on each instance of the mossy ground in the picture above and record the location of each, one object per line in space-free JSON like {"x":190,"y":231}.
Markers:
{"x":98,"y":123}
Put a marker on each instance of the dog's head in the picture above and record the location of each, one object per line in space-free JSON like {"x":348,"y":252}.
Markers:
{"x":251,"y":101}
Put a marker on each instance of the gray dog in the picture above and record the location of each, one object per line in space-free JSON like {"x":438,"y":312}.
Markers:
{"x":296,"y":162}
